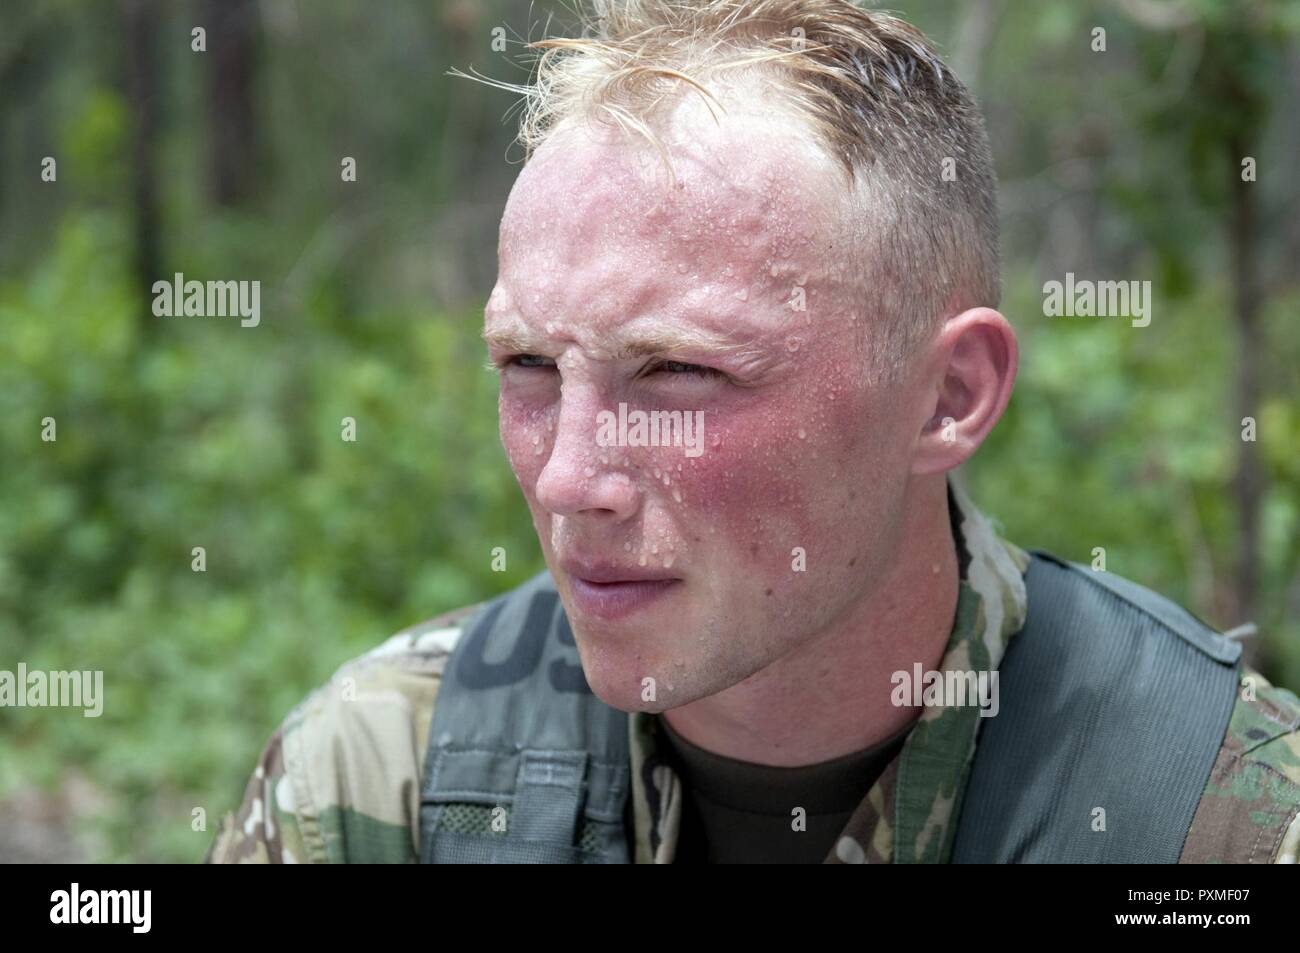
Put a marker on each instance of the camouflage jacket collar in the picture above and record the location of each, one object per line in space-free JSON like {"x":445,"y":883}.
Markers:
{"x":909,"y":815}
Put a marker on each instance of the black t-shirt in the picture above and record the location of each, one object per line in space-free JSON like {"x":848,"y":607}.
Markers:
{"x":738,"y":812}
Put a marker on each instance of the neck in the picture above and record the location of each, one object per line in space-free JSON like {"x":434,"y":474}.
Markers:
{"x":831,"y":696}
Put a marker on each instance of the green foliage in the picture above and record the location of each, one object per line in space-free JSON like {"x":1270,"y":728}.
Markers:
{"x":227,"y":438}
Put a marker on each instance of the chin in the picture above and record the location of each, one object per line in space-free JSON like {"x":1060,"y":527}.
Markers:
{"x":622,"y":692}
{"x":613,"y":672}
{"x":616,"y":674}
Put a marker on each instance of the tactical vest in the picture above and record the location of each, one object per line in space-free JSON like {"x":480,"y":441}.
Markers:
{"x":1111,"y":696}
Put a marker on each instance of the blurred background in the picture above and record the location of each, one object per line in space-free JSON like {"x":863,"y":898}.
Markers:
{"x":1116,"y":164}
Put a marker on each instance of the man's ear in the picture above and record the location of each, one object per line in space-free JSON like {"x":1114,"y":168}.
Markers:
{"x":972,"y":368}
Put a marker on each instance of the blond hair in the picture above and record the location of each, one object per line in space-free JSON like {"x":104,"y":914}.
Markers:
{"x":872,"y":87}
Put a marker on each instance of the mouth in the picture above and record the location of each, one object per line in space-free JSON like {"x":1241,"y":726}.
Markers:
{"x":614,"y":592}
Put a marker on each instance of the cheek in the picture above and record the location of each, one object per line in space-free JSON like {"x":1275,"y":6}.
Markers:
{"x":527,"y":431}
{"x":771,"y":480}
{"x":749,"y":489}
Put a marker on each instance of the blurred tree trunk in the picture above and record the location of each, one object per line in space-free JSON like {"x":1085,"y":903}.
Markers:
{"x":232,"y":47}
{"x":1234,"y":82}
{"x":142,"y":96}
{"x":975,"y":30}
{"x":1248,"y":480}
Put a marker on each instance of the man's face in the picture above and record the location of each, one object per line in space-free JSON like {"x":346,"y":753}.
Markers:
{"x":731,"y":294}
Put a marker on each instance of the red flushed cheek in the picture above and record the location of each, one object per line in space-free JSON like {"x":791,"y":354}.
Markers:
{"x":778,"y":476}
{"x":744,"y":492}
{"x":527,"y":434}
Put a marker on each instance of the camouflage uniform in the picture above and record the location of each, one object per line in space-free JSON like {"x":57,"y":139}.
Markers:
{"x":339,"y":781}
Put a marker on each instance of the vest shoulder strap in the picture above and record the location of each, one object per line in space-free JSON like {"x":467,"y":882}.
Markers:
{"x":1113,"y":704}
{"x":524,"y":764}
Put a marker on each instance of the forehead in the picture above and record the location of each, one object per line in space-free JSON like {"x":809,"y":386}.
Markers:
{"x":595,"y":224}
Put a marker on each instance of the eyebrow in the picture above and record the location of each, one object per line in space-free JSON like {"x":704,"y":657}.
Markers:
{"x":657,"y":341}
{"x":507,"y":340}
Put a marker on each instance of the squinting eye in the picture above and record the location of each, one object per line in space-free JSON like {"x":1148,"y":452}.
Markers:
{"x":529,"y":360}
{"x":677,"y":367}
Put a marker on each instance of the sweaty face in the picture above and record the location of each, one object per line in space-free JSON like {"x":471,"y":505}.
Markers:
{"x":727,"y":297}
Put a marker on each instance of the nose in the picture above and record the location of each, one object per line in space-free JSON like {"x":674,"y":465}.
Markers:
{"x":575,"y":481}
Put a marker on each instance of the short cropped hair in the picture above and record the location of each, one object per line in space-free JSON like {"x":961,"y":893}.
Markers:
{"x":922,"y":192}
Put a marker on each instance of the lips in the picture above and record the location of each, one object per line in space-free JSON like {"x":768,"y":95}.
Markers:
{"x":611,"y":572}
{"x":609,"y":591}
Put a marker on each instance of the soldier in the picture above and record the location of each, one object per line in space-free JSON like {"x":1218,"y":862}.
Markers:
{"x":803,"y":643}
